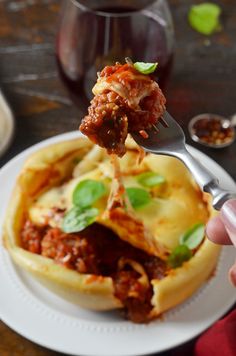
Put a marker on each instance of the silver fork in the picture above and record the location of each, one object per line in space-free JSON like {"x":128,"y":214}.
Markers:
{"x":170,"y":141}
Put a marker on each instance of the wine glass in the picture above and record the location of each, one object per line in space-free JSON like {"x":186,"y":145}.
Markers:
{"x":94,"y":33}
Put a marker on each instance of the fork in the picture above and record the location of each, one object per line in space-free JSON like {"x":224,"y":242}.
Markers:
{"x":170,"y":140}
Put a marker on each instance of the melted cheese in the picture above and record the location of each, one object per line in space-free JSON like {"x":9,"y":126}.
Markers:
{"x":42,"y":210}
{"x":133,"y":98}
{"x":175,"y":207}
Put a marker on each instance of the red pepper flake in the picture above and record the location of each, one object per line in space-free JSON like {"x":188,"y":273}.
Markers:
{"x":210,"y":130}
{"x":94,"y":279}
{"x":143,"y":133}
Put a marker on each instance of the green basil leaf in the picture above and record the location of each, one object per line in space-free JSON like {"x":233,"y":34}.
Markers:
{"x":145,"y":68}
{"x":87,"y":192}
{"x":194,"y":236}
{"x":138,"y":197}
{"x":179,"y":255}
{"x":76,"y":160}
{"x":77,"y":219}
{"x":204,"y":18}
{"x":150,"y":179}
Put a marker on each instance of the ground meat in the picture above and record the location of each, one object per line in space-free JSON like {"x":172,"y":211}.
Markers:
{"x":97,"y":250}
{"x":31,"y":237}
{"x":152,"y":108}
{"x":72,"y":251}
{"x":155,"y":267}
{"x":138,"y":310}
{"x":134,"y":296}
{"x":107,"y":123}
{"x":111,"y":116}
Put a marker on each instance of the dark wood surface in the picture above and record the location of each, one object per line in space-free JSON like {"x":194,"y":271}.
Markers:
{"x":203,"y":80}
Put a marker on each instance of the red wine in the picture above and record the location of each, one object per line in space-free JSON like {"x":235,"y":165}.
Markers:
{"x":88,"y":40}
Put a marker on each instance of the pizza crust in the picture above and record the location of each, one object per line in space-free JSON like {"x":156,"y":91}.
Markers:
{"x":182,"y":282}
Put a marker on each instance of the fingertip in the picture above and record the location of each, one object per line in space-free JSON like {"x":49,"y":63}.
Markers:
{"x":228,"y":217}
{"x":216,"y":232}
{"x":232,"y":275}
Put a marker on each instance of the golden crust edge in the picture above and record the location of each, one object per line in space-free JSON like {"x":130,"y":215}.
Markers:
{"x":183,"y":282}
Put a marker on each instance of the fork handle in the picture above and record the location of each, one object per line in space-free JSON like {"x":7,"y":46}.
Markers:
{"x":220,"y":196}
{"x":206,"y":180}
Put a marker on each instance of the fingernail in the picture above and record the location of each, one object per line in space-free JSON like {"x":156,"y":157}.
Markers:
{"x":228,"y":215}
{"x":232,"y":276}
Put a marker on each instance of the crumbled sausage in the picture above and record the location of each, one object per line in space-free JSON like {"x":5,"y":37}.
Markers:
{"x":111,"y":116}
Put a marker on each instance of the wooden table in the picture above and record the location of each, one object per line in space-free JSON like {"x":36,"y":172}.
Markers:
{"x":203,"y":80}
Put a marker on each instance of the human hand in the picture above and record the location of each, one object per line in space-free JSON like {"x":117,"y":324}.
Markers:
{"x":222,"y":230}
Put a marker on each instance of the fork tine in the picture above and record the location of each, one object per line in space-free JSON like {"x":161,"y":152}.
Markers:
{"x":155,"y":128}
{"x":163,"y":122}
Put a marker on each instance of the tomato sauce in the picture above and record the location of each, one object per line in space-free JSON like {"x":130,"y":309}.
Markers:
{"x":97,"y":250}
{"x":112,"y":116}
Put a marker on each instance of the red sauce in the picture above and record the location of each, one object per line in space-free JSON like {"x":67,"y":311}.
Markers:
{"x":97,"y":250}
{"x":137,"y":308}
{"x":107,"y":123}
{"x":31,"y":237}
{"x":111,"y":117}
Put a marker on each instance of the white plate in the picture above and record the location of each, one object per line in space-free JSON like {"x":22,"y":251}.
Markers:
{"x":48,"y":320}
{"x":6,"y":124}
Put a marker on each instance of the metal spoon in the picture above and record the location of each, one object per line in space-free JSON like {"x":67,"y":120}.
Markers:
{"x":171,"y":142}
{"x":204,"y":134}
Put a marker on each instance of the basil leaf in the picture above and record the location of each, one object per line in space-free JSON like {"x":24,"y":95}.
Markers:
{"x":194,"y":236}
{"x":179,"y":255}
{"x":204,"y":18}
{"x":150,"y":179}
{"x":77,"y":219}
{"x":76,"y":160}
{"x":87,"y":192}
{"x":138,"y":197}
{"x":145,"y":68}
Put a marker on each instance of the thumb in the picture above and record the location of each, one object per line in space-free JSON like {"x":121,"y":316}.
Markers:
{"x":228,"y":217}
{"x":232,"y":274}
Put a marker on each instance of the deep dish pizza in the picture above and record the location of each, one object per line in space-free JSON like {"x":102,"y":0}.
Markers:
{"x":143,"y":256}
